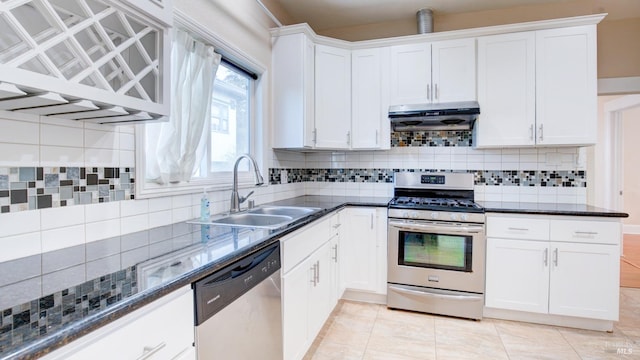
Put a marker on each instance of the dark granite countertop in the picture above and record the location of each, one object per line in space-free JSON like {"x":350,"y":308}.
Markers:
{"x":224,"y":247}
{"x":548,"y":209}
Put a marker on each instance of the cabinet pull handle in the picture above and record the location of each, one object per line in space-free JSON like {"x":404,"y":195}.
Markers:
{"x":314,"y":268}
{"x":531,"y":132}
{"x":318,"y":272}
{"x":546,"y":257}
{"x":372,"y":221}
{"x":148,"y":351}
{"x":335,"y":226}
{"x":315,"y":135}
{"x":585,"y":232}
{"x":437,"y":93}
{"x":555,"y":257}
{"x":428,"y":92}
{"x":348,"y":137}
{"x":377,"y":139}
{"x":335,"y":253}
{"x":517,"y":229}
{"x":540,"y":128}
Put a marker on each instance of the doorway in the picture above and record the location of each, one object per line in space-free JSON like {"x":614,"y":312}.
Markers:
{"x":621,"y":175}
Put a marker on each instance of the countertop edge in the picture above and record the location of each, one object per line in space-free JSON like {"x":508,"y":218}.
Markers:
{"x":66,"y":336}
{"x":558,"y":212}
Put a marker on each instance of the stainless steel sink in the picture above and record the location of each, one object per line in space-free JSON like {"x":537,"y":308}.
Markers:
{"x":293,"y":211}
{"x":254,"y":220}
{"x":265,"y":217}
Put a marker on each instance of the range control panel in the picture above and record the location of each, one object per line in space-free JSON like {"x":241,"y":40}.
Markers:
{"x":432,"y":179}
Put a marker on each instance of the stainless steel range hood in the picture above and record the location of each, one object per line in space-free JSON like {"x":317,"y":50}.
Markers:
{"x":438,"y":116}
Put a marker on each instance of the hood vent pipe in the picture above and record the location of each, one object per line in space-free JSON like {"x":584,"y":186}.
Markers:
{"x":425,"y":21}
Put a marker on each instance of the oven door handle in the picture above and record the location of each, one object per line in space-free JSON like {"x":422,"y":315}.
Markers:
{"x":439,"y":227}
{"x":431,"y":294}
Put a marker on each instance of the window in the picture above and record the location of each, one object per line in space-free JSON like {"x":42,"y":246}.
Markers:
{"x":229,"y":134}
{"x":230,"y":122}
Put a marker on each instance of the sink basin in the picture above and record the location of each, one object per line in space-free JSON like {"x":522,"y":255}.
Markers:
{"x":264,"y":217}
{"x":293,"y":211}
{"x":254,"y":220}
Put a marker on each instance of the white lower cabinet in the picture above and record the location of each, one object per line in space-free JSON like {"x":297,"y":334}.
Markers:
{"x":571,"y":270}
{"x":307,"y":286}
{"x":163,"y":329}
{"x":365,"y":250}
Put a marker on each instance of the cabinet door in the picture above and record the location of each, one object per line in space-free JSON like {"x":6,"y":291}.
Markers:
{"x":410,"y":80}
{"x":361,"y":250}
{"x":453,"y":70}
{"x":320,"y":302}
{"x":566,"y":86}
{"x":506,"y":90}
{"x":517,"y":275}
{"x":295,"y":309}
{"x":333,"y":97}
{"x":369,"y":109}
{"x":334,"y":267}
{"x":585,"y":280}
{"x":293,"y":91}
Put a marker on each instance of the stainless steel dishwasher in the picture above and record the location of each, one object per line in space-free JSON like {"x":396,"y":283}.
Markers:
{"x":238,"y":309}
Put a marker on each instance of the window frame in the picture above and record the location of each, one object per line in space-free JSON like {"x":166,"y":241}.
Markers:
{"x":224,"y":180}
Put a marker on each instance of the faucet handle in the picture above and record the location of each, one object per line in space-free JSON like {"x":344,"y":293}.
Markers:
{"x":244,"y":198}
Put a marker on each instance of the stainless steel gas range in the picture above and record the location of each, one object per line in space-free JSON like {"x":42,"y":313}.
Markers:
{"x":436,"y":245}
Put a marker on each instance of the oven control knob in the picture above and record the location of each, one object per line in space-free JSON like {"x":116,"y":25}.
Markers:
{"x":405,"y":214}
{"x":464,"y":217}
{"x":414,"y":214}
{"x":454,"y":216}
{"x":434,"y":215}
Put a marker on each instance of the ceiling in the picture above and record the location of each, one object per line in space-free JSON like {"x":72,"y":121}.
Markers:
{"x":331,"y":14}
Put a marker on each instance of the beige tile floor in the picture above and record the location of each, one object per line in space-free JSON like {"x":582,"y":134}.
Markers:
{"x":369,"y":331}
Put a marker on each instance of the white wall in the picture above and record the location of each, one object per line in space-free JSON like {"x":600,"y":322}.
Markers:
{"x":631,"y":181}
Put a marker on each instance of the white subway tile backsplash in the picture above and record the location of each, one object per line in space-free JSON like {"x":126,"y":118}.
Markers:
{"x":182,"y":214}
{"x":134,"y":207}
{"x":127,"y":141}
{"x":21,"y":132}
{"x":19,"y":223}
{"x":133,"y":224}
{"x":103,"y":211}
{"x":63,"y":237}
{"x":102,"y":157}
{"x":18,"y":246}
{"x":179,"y":201}
{"x":19,"y":155}
{"x":65,"y":136}
{"x":127,"y":158}
{"x":62,"y":216}
{"x":163,"y":203}
{"x":101,"y":139}
{"x":102,"y":230}
{"x":56,"y":155}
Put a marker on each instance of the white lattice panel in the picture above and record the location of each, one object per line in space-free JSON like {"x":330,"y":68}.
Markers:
{"x":84,"y":50}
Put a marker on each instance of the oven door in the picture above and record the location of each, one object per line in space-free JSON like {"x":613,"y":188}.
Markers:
{"x":441,"y":255}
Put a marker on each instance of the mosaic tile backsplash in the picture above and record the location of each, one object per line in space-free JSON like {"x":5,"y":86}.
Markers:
{"x":25,"y":322}
{"x":431,"y":138}
{"x":31,"y":188}
{"x":567,"y":178}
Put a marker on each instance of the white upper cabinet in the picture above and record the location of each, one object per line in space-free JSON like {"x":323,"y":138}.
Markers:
{"x":453,"y":70}
{"x":442,"y":71}
{"x":506,"y":90}
{"x":332,"y":98}
{"x":101,"y":62}
{"x":410,"y":74}
{"x":370,"y":104}
{"x":566,"y":86}
{"x":293,"y":91}
{"x":537,"y":88}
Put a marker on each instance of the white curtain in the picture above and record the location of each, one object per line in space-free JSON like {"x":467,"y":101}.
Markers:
{"x":182,"y":141}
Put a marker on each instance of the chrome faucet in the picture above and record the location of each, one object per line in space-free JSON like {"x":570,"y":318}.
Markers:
{"x":236,"y":199}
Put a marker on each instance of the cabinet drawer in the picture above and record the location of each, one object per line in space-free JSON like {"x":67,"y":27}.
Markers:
{"x":591,"y":231}
{"x":297,"y":246}
{"x":517,"y":228}
{"x":160,"y":331}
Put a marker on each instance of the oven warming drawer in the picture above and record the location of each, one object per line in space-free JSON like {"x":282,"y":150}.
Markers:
{"x":436,"y":301}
